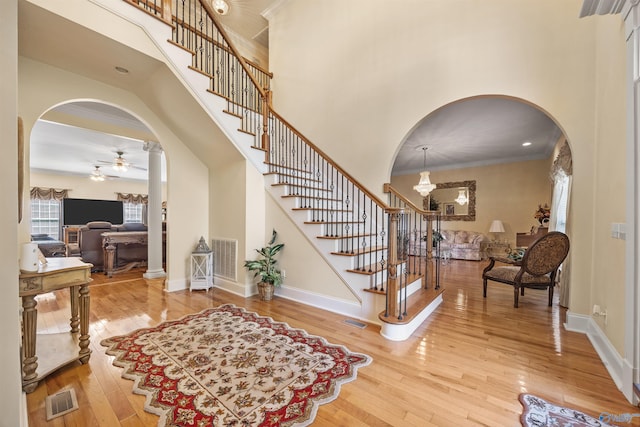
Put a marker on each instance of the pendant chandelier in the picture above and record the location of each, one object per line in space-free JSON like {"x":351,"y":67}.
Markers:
{"x":462,"y":197}
{"x":425,"y":186}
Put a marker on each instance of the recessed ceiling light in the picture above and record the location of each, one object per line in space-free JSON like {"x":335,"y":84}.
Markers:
{"x":526,"y":144}
{"x":122,"y":70}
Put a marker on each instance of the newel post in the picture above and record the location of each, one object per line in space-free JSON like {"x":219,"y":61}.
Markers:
{"x":167,"y":15}
{"x":393,"y":283}
{"x":266,"y":106}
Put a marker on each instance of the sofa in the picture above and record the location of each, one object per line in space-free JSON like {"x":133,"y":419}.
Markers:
{"x":463,"y":244}
{"x":90,"y":244}
{"x":49,"y":246}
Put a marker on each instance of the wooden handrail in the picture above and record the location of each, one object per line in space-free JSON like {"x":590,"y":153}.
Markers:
{"x":387,"y":188}
{"x":216,"y":43}
{"x":225,"y":36}
{"x":369,"y":194}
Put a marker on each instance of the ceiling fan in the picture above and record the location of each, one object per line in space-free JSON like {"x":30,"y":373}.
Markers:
{"x":98,"y":176}
{"x":120,"y":164}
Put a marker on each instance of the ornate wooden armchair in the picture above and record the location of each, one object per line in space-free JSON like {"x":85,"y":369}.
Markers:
{"x":536,"y":270}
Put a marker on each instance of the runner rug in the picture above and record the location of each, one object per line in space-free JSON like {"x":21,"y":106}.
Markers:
{"x":540,"y":413}
{"x":229,"y":367}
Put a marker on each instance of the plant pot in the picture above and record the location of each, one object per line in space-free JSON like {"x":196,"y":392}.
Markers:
{"x":265,"y":290}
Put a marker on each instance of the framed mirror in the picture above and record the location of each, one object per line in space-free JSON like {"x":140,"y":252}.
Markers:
{"x":455,"y":200}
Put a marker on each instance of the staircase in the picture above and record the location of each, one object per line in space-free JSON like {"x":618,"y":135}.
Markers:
{"x":362,"y":238}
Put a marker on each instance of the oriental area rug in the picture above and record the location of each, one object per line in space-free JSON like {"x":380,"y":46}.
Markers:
{"x":229,"y":367}
{"x":540,"y":413}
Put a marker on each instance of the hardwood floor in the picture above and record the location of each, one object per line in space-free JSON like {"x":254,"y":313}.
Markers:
{"x":465,"y":366}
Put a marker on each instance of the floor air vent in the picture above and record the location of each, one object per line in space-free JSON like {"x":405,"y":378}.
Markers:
{"x":355,"y":323}
{"x":61,"y":403}
{"x":225,"y":255}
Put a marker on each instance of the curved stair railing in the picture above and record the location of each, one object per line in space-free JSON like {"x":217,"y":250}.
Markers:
{"x":359,"y":225}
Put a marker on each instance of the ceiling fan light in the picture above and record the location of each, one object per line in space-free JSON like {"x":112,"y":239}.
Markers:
{"x":220,"y":6}
{"x":96,"y":175}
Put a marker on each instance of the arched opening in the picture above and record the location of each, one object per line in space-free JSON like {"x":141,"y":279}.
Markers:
{"x":493,"y":160}
{"x":98,"y":155}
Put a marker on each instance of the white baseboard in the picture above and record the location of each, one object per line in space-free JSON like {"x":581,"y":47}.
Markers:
{"x":403,"y":332}
{"x":24,"y":413}
{"x":606,"y":351}
{"x":176,"y":285}
{"x":235,"y":287}
{"x":335,"y":305}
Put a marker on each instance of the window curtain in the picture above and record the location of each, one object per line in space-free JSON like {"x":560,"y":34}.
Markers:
{"x":136,"y":199}
{"x":40,"y":193}
{"x":561,"y":175}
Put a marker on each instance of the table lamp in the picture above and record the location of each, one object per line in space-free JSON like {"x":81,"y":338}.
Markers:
{"x":496,"y":228}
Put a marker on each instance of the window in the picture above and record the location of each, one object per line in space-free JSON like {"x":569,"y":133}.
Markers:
{"x":45,"y":217}
{"x":133,"y":212}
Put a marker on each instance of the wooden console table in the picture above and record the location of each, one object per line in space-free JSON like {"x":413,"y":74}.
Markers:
{"x":56,"y":350}
{"x":110,"y":241}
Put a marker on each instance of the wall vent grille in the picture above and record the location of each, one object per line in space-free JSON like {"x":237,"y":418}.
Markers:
{"x":61,"y":403}
{"x":225,"y":258}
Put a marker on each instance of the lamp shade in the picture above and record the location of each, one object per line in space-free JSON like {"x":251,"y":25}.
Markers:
{"x":496,"y":226}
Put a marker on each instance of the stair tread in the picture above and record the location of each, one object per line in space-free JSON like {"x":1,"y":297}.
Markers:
{"x":280,"y":184}
{"x":366,"y":250}
{"x":288,"y":167}
{"x":350,"y":236}
{"x":416,"y":302}
{"x":323,"y":209}
{"x":291,"y":176}
{"x":410,"y":279}
{"x":334,"y":222}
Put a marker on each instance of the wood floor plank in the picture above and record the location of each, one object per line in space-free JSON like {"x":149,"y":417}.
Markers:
{"x":464,"y":366}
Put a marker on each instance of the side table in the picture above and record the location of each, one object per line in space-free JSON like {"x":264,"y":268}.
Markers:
{"x":55,"y":350}
{"x":497,"y":249}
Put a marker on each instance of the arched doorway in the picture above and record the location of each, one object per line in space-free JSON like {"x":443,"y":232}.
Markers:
{"x":94,"y":151}
{"x":505,"y":146}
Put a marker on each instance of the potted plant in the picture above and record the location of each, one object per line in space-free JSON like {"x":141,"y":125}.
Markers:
{"x":266,"y":268}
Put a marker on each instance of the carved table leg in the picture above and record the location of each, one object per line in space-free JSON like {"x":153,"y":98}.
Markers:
{"x":109,"y":258}
{"x":30,"y":360}
{"x":85,"y":352}
{"x":75,"y":320}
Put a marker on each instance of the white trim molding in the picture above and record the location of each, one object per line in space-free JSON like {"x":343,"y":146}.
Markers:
{"x":615,"y":364}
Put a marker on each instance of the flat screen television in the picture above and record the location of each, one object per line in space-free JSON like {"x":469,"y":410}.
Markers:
{"x":82,"y":211}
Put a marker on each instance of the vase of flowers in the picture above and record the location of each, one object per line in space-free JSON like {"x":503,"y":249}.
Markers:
{"x":542,"y":214}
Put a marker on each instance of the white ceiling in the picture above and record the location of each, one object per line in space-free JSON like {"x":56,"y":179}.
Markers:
{"x":472,"y":132}
{"x":477,"y":132}
{"x":70,"y":150}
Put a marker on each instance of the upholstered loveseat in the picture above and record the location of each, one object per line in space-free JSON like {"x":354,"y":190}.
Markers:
{"x":463,"y":244}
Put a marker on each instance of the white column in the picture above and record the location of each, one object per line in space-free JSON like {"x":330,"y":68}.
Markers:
{"x":154,"y":212}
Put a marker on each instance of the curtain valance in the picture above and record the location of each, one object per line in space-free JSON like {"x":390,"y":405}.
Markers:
{"x":41,"y":193}
{"x":133,"y":198}
{"x":562,"y":162}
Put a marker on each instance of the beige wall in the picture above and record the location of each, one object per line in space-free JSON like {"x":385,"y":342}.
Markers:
{"x":510,"y":192}
{"x":376,"y":71}
{"x":12,"y":403}
{"x":607,"y":289}
{"x":42,"y":87}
